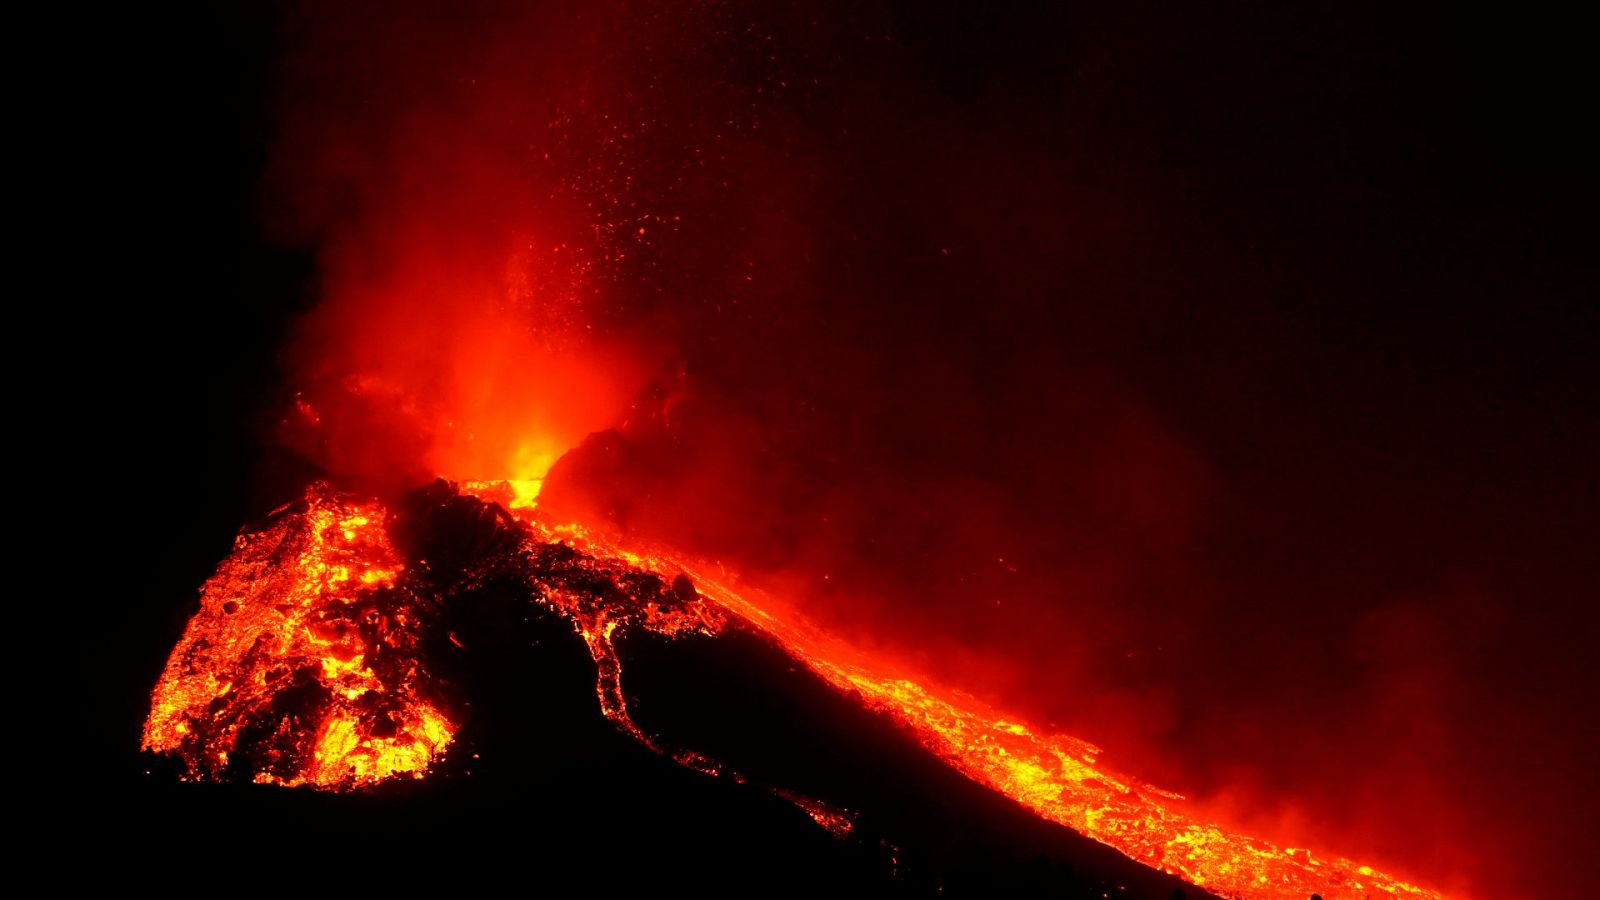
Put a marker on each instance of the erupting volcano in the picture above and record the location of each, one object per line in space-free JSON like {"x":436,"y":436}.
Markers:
{"x":856,"y":446}
{"x":306,"y":666}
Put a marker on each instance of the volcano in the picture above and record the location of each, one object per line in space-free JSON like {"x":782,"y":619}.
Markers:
{"x":741,"y":782}
{"x":1080,"y":450}
{"x":341,"y":644}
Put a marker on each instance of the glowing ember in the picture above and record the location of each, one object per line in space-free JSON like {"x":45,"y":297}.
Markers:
{"x":838,"y":822}
{"x":301,"y":666}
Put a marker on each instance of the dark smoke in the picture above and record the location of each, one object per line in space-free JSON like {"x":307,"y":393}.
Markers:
{"x":1213,"y":389}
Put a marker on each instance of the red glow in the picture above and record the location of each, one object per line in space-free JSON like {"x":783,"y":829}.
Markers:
{"x":437,"y":367}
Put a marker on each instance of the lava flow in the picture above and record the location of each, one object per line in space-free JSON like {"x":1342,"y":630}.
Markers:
{"x":1056,"y":776}
{"x":301,"y":666}
{"x":304,"y":666}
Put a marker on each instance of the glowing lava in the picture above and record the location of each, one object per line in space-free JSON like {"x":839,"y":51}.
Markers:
{"x":1056,"y":776}
{"x":301,"y":666}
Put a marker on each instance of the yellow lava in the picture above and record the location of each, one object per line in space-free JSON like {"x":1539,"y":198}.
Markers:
{"x":299,"y":602}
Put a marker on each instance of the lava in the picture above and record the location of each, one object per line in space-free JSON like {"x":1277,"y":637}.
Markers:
{"x":301,"y":666}
{"x":1056,"y":776}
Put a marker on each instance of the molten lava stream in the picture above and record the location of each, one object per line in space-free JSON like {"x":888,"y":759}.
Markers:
{"x":1056,"y":776}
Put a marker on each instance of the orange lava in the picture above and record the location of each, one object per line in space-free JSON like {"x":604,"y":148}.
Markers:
{"x":304,"y":645}
{"x":1057,"y":777}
